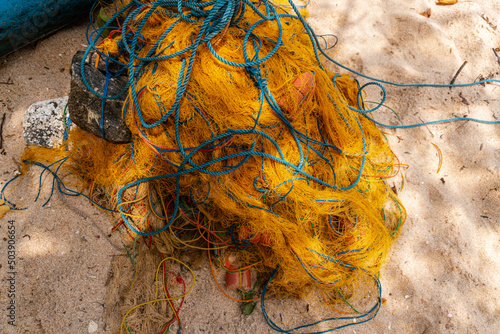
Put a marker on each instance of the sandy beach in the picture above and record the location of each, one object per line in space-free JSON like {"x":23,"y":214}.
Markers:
{"x":443,"y":273}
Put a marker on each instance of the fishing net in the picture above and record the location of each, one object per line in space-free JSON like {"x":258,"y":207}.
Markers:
{"x":245,"y":147}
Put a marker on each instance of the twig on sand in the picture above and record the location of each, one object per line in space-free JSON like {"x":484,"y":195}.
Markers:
{"x":1,"y":131}
{"x":496,"y":55}
{"x":8,"y":82}
{"x":421,"y":120}
{"x":458,"y":72}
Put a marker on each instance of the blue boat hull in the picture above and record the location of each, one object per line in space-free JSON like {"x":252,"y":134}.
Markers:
{"x":24,"y":21}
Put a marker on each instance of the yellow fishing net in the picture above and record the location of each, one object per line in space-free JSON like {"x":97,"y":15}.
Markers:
{"x":245,"y":144}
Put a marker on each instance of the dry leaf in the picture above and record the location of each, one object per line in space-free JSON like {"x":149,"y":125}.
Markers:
{"x":446,"y":2}
{"x":3,"y":210}
{"x":427,"y":13}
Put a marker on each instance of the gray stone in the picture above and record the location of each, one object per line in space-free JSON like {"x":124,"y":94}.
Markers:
{"x":86,"y":107}
{"x":43,"y":122}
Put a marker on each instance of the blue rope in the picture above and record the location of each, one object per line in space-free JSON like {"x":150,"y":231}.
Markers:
{"x":367,"y":316}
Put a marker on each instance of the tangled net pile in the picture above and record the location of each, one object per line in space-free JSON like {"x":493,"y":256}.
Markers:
{"x":244,"y":145}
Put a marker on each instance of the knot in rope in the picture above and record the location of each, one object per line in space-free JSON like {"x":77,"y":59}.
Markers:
{"x":256,"y":76}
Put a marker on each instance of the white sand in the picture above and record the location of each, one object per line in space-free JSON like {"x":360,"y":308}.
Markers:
{"x":444,"y":271}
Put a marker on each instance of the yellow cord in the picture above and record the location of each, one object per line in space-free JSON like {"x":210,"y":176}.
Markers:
{"x":161,"y":299}
{"x":130,"y":202}
{"x":440,"y":157}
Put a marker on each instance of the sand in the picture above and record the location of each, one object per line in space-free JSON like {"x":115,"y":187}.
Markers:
{"x":443,"y":275}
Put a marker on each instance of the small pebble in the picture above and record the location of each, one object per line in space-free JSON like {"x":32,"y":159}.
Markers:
{"x":407,"y":296}
{"x":450,"y":315}
{"x":93,"y":327}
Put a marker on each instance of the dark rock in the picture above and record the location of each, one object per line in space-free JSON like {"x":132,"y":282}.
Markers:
{"x":86,"y":108}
